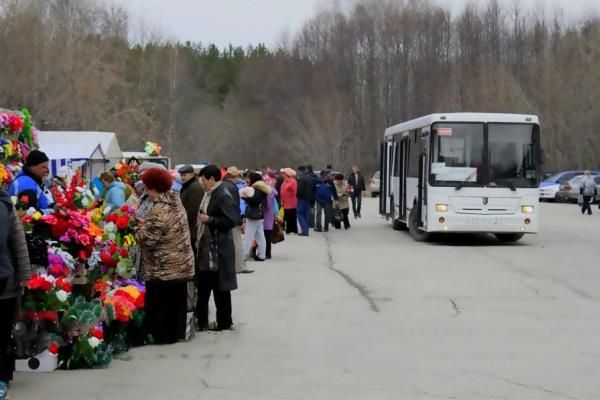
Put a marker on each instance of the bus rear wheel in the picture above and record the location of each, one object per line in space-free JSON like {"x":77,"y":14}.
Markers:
{"x":413,"y":228}
{"x":509,"y":237}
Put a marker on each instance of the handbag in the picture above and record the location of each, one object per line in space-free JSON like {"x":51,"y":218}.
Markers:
{"x":350,"y":190}
{"x":277,"y":236}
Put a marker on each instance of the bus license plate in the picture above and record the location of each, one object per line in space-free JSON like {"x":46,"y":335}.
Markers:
{"x":479,"y":220}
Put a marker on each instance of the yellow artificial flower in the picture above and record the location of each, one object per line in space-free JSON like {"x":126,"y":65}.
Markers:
{"x":36,"y":216}
{"x":129,"y":241}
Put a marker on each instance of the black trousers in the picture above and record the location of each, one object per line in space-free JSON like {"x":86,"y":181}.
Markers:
{"x":166,"y":310}
{"x":345,"y":212}
{"x":208,"y":282}
{"x":268,"y":237}
{"x":356,"y":203}
{"x":291,"y":221}
{"x":7,"y":321}
{"x":586,"y":205}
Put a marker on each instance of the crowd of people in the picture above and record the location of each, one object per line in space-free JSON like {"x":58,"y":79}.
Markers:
{"x":191,"y":242}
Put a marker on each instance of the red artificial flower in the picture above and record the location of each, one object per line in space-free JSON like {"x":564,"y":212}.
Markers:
{"x":112,"y":218}
{"x":27,"y":219}
{"x":124,"y":253}
{"x":84,"y":239}
{"x":106,"y":258}
{"x":45,"y":285}
{"x":25,"y":199}
{"x":53,"y":348}
{"x":125,"y":208}
{"x":35,"y":282}
{"x":58,"y":282}
{"x":97,"y":332}
{"x":139,"y":302}
{"x":67,"y":287}
{"x":83,"y":255}
{"x":57,"y":271}
{"x":113,"y":249}
{"x":122,"y":222}
{"x":49,"y":219}
{"x":15,"y":123}
{"x":59,"y":228}
{"x":100,"y":286}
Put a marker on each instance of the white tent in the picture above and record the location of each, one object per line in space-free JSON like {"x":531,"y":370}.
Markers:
{"x":95,"y":152}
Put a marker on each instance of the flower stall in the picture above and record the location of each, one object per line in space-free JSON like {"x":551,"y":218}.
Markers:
{"x":82,"y":305}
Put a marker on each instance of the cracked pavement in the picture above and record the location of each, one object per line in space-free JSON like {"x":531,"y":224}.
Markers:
{"x":370,"y":314}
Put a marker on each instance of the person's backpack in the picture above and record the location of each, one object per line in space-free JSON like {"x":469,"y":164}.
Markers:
{"x":256,"y":206}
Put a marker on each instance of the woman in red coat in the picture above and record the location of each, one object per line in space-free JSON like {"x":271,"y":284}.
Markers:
{"x":289,"y":201}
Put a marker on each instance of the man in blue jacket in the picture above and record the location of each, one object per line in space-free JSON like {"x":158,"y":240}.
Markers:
{"x":325,"y":196}
{"x":28,"y":185}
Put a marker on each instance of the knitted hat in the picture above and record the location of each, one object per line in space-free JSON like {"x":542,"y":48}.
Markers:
{"x":36,"y":157}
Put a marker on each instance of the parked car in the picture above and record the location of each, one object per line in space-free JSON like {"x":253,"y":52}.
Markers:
{"x":569,"y":191}
{"x":550,"y":187}
{"x":375,"y":184}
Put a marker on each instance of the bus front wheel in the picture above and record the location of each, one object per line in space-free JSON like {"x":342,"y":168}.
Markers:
{"x":413,"y":227}
{"x":509,"y":237}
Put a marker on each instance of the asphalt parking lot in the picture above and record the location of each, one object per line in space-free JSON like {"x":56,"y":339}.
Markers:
{"x":370,"y":314}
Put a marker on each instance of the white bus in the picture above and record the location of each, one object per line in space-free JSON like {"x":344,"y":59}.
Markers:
{"x":462,"y":172}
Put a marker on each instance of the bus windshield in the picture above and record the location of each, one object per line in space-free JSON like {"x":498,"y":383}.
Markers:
{"x":512,"y":155}
{"x":459,"y":157}
{"x":458,"y":154}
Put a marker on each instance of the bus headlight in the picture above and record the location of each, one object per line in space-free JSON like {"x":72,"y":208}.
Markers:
{"x":527,"y":209}
{"x":441,"y":208}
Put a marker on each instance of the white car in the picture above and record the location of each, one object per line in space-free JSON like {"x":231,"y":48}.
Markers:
{"x":375,"y":184}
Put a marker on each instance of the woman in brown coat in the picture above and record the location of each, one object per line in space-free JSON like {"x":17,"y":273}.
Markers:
{"x":164,"y":238}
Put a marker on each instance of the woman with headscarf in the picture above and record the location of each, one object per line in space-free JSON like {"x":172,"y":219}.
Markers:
{"x":164,"y":238}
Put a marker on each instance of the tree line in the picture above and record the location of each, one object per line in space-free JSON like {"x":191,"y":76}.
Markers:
{"x":323,"y":98}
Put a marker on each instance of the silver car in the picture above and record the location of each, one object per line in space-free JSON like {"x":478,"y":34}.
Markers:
{"x":375,"y":184}
{"x":569,"y":191}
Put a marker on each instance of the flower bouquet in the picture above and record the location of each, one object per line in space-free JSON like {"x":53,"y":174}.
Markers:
{"x":152,"y":149}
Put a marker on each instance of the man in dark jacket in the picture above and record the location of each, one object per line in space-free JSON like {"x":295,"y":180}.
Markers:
{"x":218,"y":215}
{"x":325,"y":196}
{"x":15,"y":271}
{"x":305,"y":198}
{"x":191,"y":196}
{"x":357,"y":181}
{"x":315,"y":181}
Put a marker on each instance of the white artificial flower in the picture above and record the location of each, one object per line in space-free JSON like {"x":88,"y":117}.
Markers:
{"x":85,"y":202}
{"x":94,"y":259}
{"x":110,"y":227}
{"x":31,"y":211}
{"x":94,"y":342}
{"x":62,"y":296}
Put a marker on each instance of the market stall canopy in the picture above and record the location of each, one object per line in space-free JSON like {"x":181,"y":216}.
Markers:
{"x":75,"y":148}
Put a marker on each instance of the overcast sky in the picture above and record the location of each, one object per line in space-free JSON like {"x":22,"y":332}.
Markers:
{"x":244,"y":22}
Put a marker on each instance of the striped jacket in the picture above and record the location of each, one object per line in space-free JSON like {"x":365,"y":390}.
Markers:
{"x":164,"y":238}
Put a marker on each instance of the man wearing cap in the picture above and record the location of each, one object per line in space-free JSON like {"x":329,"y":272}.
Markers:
{"x":233,"y":184}
{"x":191,"y":196}
{"x":28,"y":185}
